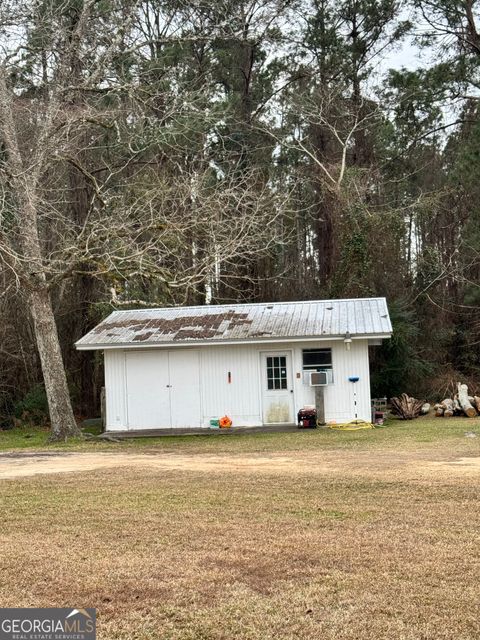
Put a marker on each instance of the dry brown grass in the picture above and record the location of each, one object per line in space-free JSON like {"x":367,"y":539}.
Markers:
{"x":384,"y":547}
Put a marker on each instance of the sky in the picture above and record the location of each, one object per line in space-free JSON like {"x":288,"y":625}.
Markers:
{"x":408,"y":56}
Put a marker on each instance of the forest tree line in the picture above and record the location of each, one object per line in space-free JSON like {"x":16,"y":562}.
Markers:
{"x":187,"y":152}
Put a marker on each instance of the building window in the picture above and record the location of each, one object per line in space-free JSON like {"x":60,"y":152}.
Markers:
{"x":276,"y":372}
{"x":318,"y":360}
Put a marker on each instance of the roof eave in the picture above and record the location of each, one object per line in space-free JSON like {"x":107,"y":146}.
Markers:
{"x":205,"y":343}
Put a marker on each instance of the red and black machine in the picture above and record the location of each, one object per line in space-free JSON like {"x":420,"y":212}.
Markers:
{"x":307,"y":418}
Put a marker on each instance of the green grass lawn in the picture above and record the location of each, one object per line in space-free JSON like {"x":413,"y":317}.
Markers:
{"x":33,"y":437}
{"x":413,"y":433}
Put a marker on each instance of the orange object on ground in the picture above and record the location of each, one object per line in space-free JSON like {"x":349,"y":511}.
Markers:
{"x":225,"y":422}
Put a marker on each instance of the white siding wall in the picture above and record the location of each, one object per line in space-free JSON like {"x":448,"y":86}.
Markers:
{"x":242,"y":398}
{"x":339,"y":401}
{"x":115,"y":390}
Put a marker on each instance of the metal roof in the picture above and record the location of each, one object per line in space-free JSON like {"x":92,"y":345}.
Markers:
{"x":366,"y":317}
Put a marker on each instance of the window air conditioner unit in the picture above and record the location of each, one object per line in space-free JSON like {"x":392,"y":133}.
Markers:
{"x":318,"y":379}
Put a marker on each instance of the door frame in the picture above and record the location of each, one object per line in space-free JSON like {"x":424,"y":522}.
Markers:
{"x":292,"y":391}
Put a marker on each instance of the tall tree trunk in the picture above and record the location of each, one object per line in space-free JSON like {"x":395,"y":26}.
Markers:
{"x":29,"y":267}
{"x":61,"y":415}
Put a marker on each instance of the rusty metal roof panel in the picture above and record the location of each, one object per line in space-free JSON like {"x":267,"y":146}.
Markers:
{"x":240,"y":322}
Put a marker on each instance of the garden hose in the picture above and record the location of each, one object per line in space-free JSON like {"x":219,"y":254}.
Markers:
{"x":354,"y":425}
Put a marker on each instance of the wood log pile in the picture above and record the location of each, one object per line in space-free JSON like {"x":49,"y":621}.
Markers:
{"x":407,"y":407}
{"x":460,"y":404}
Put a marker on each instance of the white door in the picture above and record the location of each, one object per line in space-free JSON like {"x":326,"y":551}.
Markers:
{"x":185,"y":388}
{"x":277,"y":387}
{"x":163,"y":389}
{"x":148,"y":393}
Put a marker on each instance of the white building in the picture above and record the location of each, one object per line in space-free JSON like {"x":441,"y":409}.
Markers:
{"x":182,"y":367}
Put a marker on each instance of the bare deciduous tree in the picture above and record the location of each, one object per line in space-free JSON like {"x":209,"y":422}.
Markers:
{"x":151,"y":218}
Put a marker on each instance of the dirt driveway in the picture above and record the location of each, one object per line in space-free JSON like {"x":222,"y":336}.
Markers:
{"x":408,"y":464}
